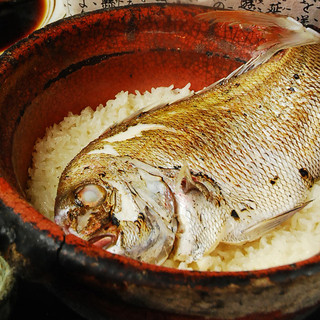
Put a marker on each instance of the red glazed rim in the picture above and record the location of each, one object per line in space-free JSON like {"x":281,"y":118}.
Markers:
{"x":12,"y":199}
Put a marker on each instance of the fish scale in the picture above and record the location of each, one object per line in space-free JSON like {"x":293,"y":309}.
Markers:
{"x":234,"y":161}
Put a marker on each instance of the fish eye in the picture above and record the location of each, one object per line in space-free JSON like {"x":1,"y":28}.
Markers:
{"x":91,"y":195}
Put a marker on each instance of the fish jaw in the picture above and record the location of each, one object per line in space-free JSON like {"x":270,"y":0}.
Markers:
{"x":106,"y":239}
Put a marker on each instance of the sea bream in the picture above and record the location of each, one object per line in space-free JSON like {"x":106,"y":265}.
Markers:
{"x":224,"y":165}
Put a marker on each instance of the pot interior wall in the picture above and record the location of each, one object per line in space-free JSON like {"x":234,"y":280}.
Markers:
{"x":95,"y":84}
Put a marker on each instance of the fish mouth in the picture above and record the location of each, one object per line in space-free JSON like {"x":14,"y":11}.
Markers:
{"x":105,"y":240}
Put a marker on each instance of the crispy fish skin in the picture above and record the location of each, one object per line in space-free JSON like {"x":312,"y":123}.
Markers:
{"x":230,"y":163}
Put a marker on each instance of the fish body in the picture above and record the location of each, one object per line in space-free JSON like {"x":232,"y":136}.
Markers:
{"x":227,"y":164}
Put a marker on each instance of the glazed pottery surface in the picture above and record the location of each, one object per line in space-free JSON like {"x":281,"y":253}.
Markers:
{"x":86,"y":60}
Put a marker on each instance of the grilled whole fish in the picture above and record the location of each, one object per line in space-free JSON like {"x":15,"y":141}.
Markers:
{"x":227,"y":164}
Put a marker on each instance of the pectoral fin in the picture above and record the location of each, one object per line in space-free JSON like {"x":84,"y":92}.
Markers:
{"x":257,"y":230}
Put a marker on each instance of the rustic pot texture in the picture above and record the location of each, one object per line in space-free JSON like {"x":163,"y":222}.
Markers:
{"x":86,"y":60}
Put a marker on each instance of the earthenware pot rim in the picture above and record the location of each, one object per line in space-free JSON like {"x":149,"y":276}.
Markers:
{"x":12,"y":199}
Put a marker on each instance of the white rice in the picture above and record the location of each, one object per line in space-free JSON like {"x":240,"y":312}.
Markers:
{"x":295,"y":240}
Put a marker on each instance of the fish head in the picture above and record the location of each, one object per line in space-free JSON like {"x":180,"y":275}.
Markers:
{"x":118,"y":207}
{"x":85,"y":205}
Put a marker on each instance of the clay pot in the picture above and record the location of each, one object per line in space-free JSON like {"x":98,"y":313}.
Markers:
{"x":86,"y":60}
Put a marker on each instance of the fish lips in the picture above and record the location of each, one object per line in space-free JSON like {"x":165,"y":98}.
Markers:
{"x":102,"y":239}
{"x":106,"y":239}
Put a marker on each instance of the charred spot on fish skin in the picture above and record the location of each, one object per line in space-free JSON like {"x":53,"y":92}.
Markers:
{"x":304,"y":173}
{"x":292,"y":89}
{"x":141,"y":216}
{"x":140,"y":115}
{"x":235,"y":215}
{"x":198,"y":174}
{"x":138,"y":224}
{"x":217,"y":201}
{"x":274,"y":180}
{"x":296,"y":76}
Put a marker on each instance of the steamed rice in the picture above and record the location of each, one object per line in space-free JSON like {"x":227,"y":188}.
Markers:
{"x":295,"y":240}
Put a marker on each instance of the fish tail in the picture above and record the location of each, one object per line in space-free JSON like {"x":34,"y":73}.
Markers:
{"x":291,"y":33}
{"x":280,"y":32}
